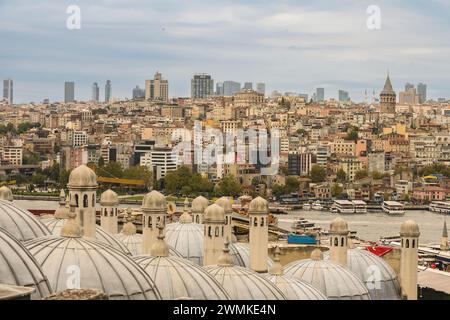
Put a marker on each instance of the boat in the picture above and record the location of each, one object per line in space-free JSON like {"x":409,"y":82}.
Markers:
{"x":317,"y":206}
{"x":359,"y":206}
{"x":440,"y":207}
{"x":301,"y":238}
{"x":344,"y":206}
{"x":306,"y":207}
{"x":393,"y":208}
{"x":302,"y":223}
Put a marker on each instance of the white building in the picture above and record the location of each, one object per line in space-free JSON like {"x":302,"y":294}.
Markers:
{"x":160,"y":160}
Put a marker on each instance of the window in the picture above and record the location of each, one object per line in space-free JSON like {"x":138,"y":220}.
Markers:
{"x":262,"y":222}
{"x":93,"y":200}
{"x":85,"y":201}
{"x":342,"y":241}
{"x":255,"y":222}
{"x":209,"y":232}
{"x":336,"y":242}
{"x":407,"y":243}
{"x":76,"y":200}
{"x":150,"y":223}
{"x":413,"y":243}
{"x":196,"y":219}
{"x":216,"y":233}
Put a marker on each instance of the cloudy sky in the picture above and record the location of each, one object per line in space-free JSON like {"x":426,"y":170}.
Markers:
{"x":290,"y":45}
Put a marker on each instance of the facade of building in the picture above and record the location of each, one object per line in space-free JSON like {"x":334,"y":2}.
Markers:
{"x":230,"y":88}
{"x":95,"y":92}
{"x":261,"y":88}
{"x":157,"y":89}
{"x":320,"y":94}
{"x":8,"y":91}
{"x":299,"y":163}
{"x":160,"y":160}
{"x":108,"y":90}
{"x":202,"y":86}
{"x":388,"y":98}
{"x":422,"y":92}
{"x":69,"y":91}
{"x":138,"y":93}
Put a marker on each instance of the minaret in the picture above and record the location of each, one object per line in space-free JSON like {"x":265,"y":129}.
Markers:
{"x":409,"y":233}
{"x":258,"y":212}
{"x":199,"y":205}
{"x":444,"y":239}
{"x":82,"y":191}
{"x":214,"y":222}
{"x":6,"y":194}
{"x":339,"y":241}
{"x":225,"y":203}
{"x":109,"y":202}
{"x":153,"y":213}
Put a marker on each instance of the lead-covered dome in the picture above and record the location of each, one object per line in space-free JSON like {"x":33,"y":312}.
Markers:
{"x":214,"y":214}
{"x":82,"y":176}
{"x":154,"y":200}
{"x":258,"y":205}
{"x":109,"y":198}
{"x":187,"y":239}
{"x":199,"y":204}
{"x":377,"y":275}
{"x":22,"y":224}
{"x":6,"y":194}
{"x":225,"y":203}
{"x":240,"y":254}
{"x":241,"y":283}
{"x":409,"y":228}
{"x":18,"y":267}
{"x":335,"y":281}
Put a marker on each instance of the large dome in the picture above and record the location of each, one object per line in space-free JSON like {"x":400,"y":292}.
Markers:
{"x":22,"y":224}
{"x":82,"y":176}
{"x":18,"y":267}
{"x":187,"y":239}
{"x":177,"y":277}
{"x":101,"y":267}
{"x":367,"y":266}
{"x":55,"y":225}
{"x":335,"y":281}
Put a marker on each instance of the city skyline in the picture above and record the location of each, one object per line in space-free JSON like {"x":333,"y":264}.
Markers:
{"x":342,"y":54}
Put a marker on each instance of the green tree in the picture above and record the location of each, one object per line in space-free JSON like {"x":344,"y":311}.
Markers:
{"x":228,"y":186}
{"x":38,"y":179}
{"x":361,"y":174}
{"x":352,"y":135}
{"x":336,"y":190}
{"x":112,"y":169}
{"x":377,"y":175}
{"x":139,"y":173}
{"x":291,"y":185}
{"x":318,"y":173}
{"x":341,"y":176}
{"x":101,"y":162}
{"x":278,"y":190}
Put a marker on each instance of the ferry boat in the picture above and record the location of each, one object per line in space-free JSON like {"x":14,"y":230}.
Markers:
{"x":343,"y":206}
{"x":393,"y":208}
{"x":359,"y":206}
{"x":440,"y":207}
{"x":302,"y":223}
{"x":306,"y":207}
{"x":317,"y":206}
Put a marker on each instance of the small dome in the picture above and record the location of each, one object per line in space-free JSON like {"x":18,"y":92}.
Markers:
{"x":214,"y":214}
{"x":82,"y":176}
{"x":177,"y":277}
{"x":109,"y":198}
{"x":22,"y":224}
{"x":154,"y":200}
{"x":258,"y":205}
{"x":409,"y":229}
{"x":294,"y":289}
{"x":225,"y":203}
{"x":6,"y":194}
{"x":18,"y":267}
{"x":365,"y":265}
{"x":101,"y":266}
{"x":335,"y":281}
{"x":339,"y":225}
{"x":241,"y":283}
{"x":187,"y":239}
{"x":199,"y":204}
{"x":56,"y":224}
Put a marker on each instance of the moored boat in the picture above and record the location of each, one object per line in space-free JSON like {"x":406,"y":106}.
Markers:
{"x":393,"y":208}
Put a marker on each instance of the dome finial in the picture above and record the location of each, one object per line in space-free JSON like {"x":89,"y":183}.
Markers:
{"x":317,"y":255}
{"x":225,"y":258}
{"x":71,"y":228}
{"x":277,"y":268}
{"x":160,"y":247}
{"x":129,"y":228}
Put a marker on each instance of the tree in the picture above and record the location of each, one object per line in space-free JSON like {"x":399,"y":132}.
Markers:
{"x":228,"y":186}
{"x":341,"y":176}
{"x":336,"y":190}
{"x":101,"y":162}
{"x":139,"y":173}
{"x":38,"y":179}
{"x":377,"y":175}
{"x":361,"y":174}
{"x":292,"y":184}
{"x":435,"y":168}
{"x":278,"y":190}
{"x":352,"y":135}
{"x":111,"y":170}
{"x":318,"y":173}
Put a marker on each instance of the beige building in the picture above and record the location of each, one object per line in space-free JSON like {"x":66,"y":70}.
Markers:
{"x":246,"y":98}
{"x":157,"y":89}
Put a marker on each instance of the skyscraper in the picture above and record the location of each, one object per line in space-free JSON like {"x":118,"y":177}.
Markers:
{"x":219,"y":89}
{"x":8,"y":91}
{"x":422,"y":92}
{"x":248,"y":86}
{"x":95,"y":92}
{"x":138,"y":93}
{"x":202,"y":86}
{"x":320,"y":94}
{"x":157,"y":89}
{"x":261,"y":88}
{"x":108,"y":90}
{"x":230,"y":88}
{"x":343,"y":96}
{"x":388,"y":98}
{"x":409,"y":86}
{"x":69,"y":91}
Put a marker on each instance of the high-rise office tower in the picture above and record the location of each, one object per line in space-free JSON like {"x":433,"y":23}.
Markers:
{"x":8,"y":91}
{"x":69,"y":91}
{"x":95,"y":92}
{"x":108,"y":90}
{"x":230,"y":88}
{"x":138,"y":93}
{"x":343,"y":96}
{"x":422,"y":92}
{"x":261,"y":88}
{"x":320,"y":94}
{"x":248,"y":86}
{"x":202,"y":86}
{"x":219,"y":89}
{"x":409,"y":86}
{"x":157,"y":89}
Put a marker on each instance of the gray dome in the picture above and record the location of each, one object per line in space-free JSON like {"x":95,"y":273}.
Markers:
{"x":295,"y":289}
{"x":244,"y":284}
{"x":177,"y":277}
{"x":240,"y":254}
{"x":335,"y":281}
{"x":6,"y":194}
{"x":409,"y":228}
{"x":361,"y":263}
{"x":225,"y":203}
{"x":23,"y":225}
{"x":187,"y":239}
{"x":82,"y":176}
{"x":101,"y":267}
{"x":133,"y":242}
{"x":55,"y":225}
{"x":258,"y":205}
{"x":18,"y":267}
{"x":199,"y":204}
{"x":109,"y":198}
{"x":215,"y":214}
{"x":154,"y":200}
